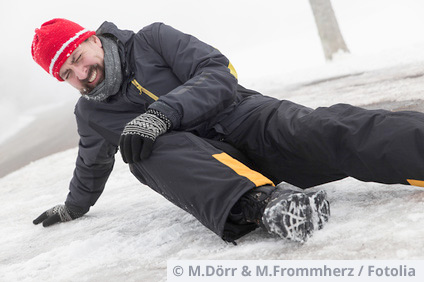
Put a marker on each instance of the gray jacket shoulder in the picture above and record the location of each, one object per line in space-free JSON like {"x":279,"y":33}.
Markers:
{"x":125,"y":35}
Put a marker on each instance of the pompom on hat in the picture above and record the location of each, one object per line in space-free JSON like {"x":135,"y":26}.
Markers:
{"x":55,"y":41}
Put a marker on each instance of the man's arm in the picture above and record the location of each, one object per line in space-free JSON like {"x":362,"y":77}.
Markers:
{"x":93,"y":166}
{"x":209,"y":80}
{"x":209,"y":84}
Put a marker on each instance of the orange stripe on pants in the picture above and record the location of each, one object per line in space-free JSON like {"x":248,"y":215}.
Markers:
{"x":413,"y":182}
{"x":241,"y":169}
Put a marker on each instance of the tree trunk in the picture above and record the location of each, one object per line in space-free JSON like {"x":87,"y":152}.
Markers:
{"x":331,"y":38}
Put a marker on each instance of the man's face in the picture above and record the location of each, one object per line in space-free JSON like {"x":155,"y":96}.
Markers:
{"x":84,"y":69}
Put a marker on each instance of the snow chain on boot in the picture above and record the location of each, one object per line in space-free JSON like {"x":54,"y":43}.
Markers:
{"x":139,"y":135}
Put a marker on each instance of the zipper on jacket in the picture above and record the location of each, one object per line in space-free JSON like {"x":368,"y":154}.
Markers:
{"x":144,"y":90}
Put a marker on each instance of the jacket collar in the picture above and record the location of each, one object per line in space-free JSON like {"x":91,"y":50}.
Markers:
{"x":110,"y":28}
{"x":123,"y":37}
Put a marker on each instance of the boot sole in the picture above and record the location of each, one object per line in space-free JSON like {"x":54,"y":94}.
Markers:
{"x":321,"y":209}
{"x":289,"y":217}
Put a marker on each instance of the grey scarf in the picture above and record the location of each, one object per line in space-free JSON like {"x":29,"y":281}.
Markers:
{"x":113,"y":73}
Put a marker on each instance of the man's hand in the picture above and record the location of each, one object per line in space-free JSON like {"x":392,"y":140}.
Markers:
{"x":137,"y":139}
{"x":59,"y":213}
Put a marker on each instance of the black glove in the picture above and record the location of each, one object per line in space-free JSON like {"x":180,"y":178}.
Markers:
{"x":59,"y":213}
{"x":137,"y":139}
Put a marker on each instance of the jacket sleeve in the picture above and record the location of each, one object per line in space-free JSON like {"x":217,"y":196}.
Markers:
{"x":208,"y":79}
{"x":93,"y":166}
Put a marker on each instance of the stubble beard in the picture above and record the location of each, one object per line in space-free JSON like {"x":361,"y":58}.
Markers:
{"x":87,"y":87}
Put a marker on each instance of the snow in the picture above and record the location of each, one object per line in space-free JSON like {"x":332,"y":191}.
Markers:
{"x":131,"y":232}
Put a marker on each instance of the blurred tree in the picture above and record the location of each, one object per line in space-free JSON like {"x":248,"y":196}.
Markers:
{"x":328,"y":28}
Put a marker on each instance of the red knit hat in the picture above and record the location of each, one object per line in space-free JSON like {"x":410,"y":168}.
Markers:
{"x":55,"y":41}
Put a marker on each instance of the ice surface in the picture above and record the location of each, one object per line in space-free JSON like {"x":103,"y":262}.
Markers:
{"x":132,"y":231}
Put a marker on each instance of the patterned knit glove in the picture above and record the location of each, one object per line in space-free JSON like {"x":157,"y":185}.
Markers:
{"x":136,"y":142}
{"x":59,"y":213}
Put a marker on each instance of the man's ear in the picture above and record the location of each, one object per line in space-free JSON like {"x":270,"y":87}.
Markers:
{"x":94,"y":39}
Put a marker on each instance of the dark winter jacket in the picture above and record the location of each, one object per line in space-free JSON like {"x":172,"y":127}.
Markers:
{"x":190,"y":82}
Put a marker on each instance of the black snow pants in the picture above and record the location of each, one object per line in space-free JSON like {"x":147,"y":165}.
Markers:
{"x":281,"y":141}
{"x":305,"y":147}
{"x":200,"y":178}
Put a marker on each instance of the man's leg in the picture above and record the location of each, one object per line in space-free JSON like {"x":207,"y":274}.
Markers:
{"x":222,"y":193}
{"x":305,"y":147}
{"x":200,"y":179}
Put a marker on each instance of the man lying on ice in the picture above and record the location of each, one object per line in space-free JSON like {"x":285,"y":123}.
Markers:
{"x":173,"y":106}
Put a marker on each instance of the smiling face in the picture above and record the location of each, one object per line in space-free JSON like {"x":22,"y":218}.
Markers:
{"x":84,"y":69}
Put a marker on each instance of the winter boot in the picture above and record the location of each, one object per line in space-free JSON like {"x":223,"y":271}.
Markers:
{"x":251,"y":206}
{"x":320,"y":208}
{"x":295,"y":215}
{"x":283,"y":211}
{"x":289,"y":214}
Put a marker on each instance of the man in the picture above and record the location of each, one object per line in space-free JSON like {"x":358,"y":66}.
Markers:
{"x":188,"y":130}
